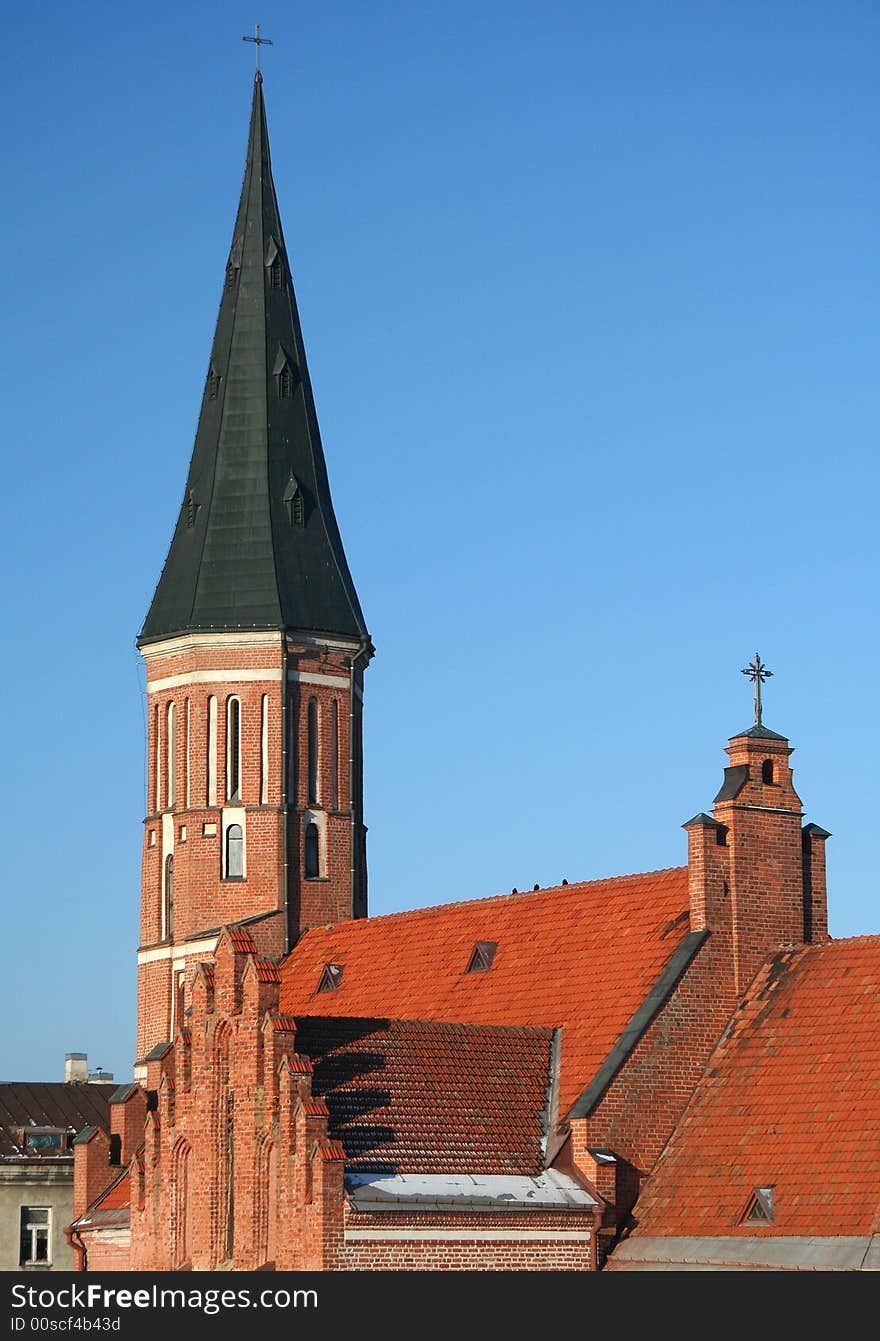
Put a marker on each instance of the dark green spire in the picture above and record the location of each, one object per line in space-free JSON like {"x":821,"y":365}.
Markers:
{"x":256,"y":544}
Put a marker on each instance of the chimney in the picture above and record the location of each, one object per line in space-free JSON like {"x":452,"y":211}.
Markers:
{"x":100,"y":1077}
{"x":76,"y":1067}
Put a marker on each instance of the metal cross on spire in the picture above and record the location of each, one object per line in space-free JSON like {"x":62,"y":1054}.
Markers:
{"x":757,"y":673}
{"x":258,"y":42}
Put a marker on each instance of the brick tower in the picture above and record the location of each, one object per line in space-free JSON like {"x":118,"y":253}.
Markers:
{"x":255,"y":648}
{"x":756,"y":876}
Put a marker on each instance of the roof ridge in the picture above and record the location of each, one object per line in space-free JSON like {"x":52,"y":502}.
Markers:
{"x":436,"y":1024}
{"x":570,"y":888}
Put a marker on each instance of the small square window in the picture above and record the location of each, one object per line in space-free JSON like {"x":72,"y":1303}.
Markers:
{"x":152,"y":838}
{"x":183,"y":833}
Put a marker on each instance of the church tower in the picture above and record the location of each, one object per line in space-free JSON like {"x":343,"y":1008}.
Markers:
{"x":255,"y":648}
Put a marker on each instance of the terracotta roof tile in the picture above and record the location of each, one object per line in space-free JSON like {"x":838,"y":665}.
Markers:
{"x":410,"y":1096}
{"x":282,"y":1024}
{"x":267,"y":971}
{"x":582,"y":956}
{"x":791,"y":1100}
{"x":242,"y":941}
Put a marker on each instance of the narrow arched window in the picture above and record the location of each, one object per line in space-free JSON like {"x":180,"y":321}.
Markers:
{"x":171,"y":754}
{"x":169,"y":898}
{"x":234,"y":852}
{"x":264,"y":750}
{"x":276,"y":273}
{"x":186,"y":748}
{"x":313,"y":751}
{"x":767,"y":770}
{"x":312,"y":856}
{"x":157,"y":759}
{"x":211,"y":769}
{"x":334,"y":755}
{"x":233,"y":750}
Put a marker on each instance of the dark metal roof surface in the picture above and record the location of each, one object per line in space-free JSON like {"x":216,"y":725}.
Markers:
{"x":239,"y":557}
{"x":759,"y":733}
{"x":735,"y":778}
{"x":50,"y":1104}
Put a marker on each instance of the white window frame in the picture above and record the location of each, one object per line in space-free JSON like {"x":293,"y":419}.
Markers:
{"x":33,"y":1230}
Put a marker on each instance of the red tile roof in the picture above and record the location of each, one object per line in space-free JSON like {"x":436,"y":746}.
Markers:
{"x":791,"y":1100}
{"x":407,"y":1096}
{"x":581,"y":956}
{"x":242,"y":941}
{"x":111,"y":1210}
{"x":267,"y":971}
{"x":117,"y":1196}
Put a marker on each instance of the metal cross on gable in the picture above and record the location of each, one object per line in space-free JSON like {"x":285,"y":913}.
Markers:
{"x":757,"y":673}
{"x":258,"y":42}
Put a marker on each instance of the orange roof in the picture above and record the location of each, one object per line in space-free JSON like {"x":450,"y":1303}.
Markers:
{"x":579,"y":956}
{"x":791,"y":1100}
{"x":117,"y":1195}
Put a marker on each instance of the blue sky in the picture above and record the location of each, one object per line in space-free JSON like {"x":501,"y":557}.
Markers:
{"x":590,"y":298}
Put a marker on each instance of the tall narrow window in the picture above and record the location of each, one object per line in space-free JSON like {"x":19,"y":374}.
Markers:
{"x":186,"y":748}
{"x":313,"y":752}
{"x":312,"y":854}
{"x":212,"y":751}
{"x":291,"y":751}
{"x":334,"y":755}
{"x":157,"y":770}
{"x":36,"y":1230}
{"x":171,"y":753}
{"x":234,"y":852}
{"x":168,"y":907}
{"x":264,"y":751}
{"x":276,"y":273}
{"x":767,"y":770}
{"x":233,"y":750}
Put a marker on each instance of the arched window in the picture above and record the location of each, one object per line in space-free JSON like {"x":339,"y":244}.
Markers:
{"x":157,"y":760}
{"x":169,"y":898}
{"x":211,"y":770}
{"x":313,"y":752}
{"x":233,"y":749}
{"x":767,"y":770}
{"x":313,"y":865}
{"x":264,"y":750}
{"x":334,"y":755}
{"x":171,"y":757}
{"x":186,"y":747}
{"x":234,"y":852}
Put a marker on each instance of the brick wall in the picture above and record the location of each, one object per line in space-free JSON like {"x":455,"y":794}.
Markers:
{"x":192,"y":799}
{"x":408,"y":1241}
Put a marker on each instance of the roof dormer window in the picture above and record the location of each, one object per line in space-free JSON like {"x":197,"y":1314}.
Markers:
{"x":331,"y":977}
{"x":759,"y":1210}
{"x":481,"y":957}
